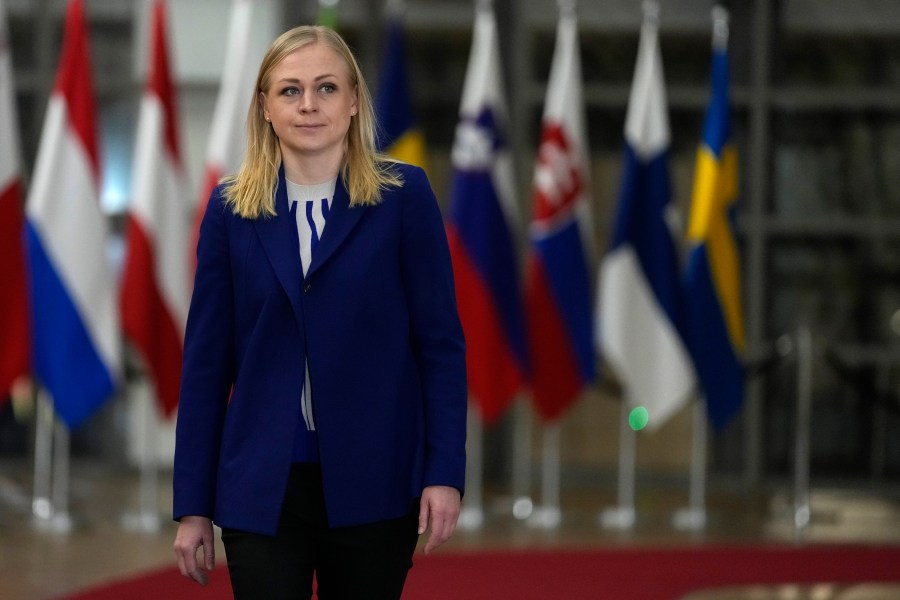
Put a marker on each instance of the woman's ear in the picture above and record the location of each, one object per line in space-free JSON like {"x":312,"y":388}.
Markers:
{"x":261,"y":99}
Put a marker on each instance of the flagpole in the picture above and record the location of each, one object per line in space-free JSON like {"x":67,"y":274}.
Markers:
{"x":41,"y":506}
{"x":60,"y":522}
{"x":622,"y":516}
{"x":694,"y":516}
{"x":50,"y":504}
{"x":472,"y":514}
{"x":720,"y":18}
{"x":548,"y":515}
{"x":146,"y":519}
{"x":523,"y":505}
{"x":805,"y":357}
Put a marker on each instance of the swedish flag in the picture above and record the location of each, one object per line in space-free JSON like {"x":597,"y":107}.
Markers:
{"x":715,"y":326}
{"x":398,"y":135}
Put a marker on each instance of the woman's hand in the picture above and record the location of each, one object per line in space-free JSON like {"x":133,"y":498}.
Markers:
{"x":193,"y":533}
{"x":440,"y":507}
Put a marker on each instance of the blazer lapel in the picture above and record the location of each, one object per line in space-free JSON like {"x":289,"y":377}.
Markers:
{"x":278,"y":236}
{"x":341,"y":221}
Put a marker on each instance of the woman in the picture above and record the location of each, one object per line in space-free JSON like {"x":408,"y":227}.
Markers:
{"x":322,"y":414}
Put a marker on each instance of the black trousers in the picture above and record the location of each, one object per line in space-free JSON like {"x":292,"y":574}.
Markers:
{"x":367,"y":562}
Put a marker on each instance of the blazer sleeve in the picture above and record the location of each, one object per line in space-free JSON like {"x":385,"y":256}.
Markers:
{"x":436,"y":332}
{"x":207,"y":371}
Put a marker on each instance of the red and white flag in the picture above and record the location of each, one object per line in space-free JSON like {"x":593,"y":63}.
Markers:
{"x":14,"y":341}
{"x":228,"y":134}
{"x":156,"y":282}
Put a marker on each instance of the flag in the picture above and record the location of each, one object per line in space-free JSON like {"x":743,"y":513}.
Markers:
{"x":639,"y":300}
{"x":558,"y":288}
{"x":398,"y":135}
{"x":480,"y":229}
{"x":14,"y":341}
{"x":715,"y":327}
{"x":155,"y":280}
{"x":228,"y":134}
{"x":75,"y":324}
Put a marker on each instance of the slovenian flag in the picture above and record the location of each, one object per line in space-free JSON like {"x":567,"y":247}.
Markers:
{"x":15,"y":346}
{"x":155,"y":289}
{"x":480,"y":229}
{"x":228,"y":133}
{"x":398,"y":135}
{"x":76,"y":333}
{"x":639,"y":301}
{"x":558,"y":288}
{"x":715,"y":326}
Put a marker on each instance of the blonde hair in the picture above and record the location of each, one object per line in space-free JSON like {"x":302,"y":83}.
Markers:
{"x":250,"y":192}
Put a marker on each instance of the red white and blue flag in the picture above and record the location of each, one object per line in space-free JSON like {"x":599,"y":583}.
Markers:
{"x":480,"y":228}
{"x":155,"y":289}
{"x":75,"y":324}
{"x":14,"y":341}
{"x":558,"y":296}
{"x":640,"y":308}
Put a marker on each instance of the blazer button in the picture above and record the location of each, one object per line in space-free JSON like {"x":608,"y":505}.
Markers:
{"x":307,"y":287}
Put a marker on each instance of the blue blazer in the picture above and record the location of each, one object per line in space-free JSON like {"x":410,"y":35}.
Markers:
{"x":375,"y":318}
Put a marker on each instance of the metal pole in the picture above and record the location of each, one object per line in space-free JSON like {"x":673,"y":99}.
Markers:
{"x":757,"y":52}
{"x":60,"y":522}
{"x":549,"y":515}
{"x":694,"y":516}
{"x":623,"y":516}
{"x":472,"y":514}
{"x":523,"y":505}
{"x":41,"y":506}
{"x":147,"y":518}
{"x":804,"y":416}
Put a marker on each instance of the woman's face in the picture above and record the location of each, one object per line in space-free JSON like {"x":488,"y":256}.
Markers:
{"x":310,"y":102}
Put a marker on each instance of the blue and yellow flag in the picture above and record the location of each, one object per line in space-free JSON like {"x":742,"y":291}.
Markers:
{"x":398,"y":135}
{"x":714,"y":315}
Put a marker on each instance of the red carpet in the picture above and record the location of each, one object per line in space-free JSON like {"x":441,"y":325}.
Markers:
{"x":633,"y":573}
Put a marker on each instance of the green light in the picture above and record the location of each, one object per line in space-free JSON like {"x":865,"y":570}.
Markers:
{"x":638,"y":418}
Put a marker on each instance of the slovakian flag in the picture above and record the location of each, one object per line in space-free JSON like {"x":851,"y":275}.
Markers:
{"x":714,"y":316}
{"x":155,"y":290}
{"x":480,"y":229}
{"x":558,"y":288}
{"x":398,"y":135}
{"x":15,"y":346}
{"x":228,"y":133}
{"x":75,"y":324}
{"x":639,"y":301}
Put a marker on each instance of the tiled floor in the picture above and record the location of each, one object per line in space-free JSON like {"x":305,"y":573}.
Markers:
{"x":39,"y":563}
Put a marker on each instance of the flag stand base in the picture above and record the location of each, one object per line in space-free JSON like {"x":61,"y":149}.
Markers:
{"x":690,"y":519}
{"x":471,"y":518}
{"x":545,"y":517}
{"x":57,"y":522}
{"x":141,"y":522}
{"x":622,"y":517}
{"x":522,"y":508}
